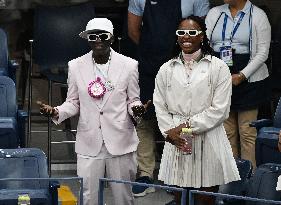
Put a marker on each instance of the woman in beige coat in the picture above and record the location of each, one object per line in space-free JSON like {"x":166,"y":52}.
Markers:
{"x":193,"y":90}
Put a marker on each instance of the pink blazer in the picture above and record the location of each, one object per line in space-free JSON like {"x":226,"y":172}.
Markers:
{"x":109,"y":121}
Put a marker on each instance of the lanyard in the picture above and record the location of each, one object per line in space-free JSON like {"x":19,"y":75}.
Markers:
{"x":251,"y":30}
{"x":224,"y":28}
{"x":235,"y":28}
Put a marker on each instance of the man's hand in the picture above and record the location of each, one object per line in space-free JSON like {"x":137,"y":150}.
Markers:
{"x":140,"y":110}
{"x":47,"y":110}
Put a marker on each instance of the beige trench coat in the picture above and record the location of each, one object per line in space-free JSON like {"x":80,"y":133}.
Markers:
{"x":202,"y":99}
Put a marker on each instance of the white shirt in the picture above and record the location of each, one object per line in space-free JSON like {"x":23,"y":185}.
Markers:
{"x":240,"y":41}
{"x":256,"y":70}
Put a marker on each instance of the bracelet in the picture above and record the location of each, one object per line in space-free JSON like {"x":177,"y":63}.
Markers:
{"x":242,"y":76}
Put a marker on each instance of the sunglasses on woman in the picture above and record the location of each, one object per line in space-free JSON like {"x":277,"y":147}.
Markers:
{"x":101,"y":36}
{"x":192,"y":33}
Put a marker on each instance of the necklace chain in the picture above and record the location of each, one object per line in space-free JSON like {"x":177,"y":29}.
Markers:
{"x":101,"y":70}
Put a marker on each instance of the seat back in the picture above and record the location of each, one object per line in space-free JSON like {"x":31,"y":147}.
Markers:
{"x":237,"y":187}
{"x":277,"y":115}
{"x":8,"y":106}
{"x":56,"y":37}
{"x":23,"y":163}
{"x":3,"y":53}
{"x":263,"y":183}
{"x":267,"y":146}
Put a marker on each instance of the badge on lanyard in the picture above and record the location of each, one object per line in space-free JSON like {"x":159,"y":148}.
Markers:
{"x":226,"y":51}
{"x":226,"y":55}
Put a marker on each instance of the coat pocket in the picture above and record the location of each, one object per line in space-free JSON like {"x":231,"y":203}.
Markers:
{"x":83,"y":126}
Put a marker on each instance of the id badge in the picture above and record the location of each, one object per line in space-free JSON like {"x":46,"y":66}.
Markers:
{"x":226,"y":55}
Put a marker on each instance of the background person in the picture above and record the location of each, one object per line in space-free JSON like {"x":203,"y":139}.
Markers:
{"x":103,"y":88}
{"x":152,"y":25}
{"x":240,"y":34}
{"x":193,"y":90}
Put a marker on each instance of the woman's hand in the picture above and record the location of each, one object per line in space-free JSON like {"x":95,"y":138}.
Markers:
{"x":47,"y":110}
{"x":173,"y":136}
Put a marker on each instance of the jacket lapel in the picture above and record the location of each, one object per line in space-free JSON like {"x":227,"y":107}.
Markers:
{"x":87,"y":72}
{"x":87,"y":68}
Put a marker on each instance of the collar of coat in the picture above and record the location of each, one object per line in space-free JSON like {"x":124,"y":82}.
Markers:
{"x":178,"y":59}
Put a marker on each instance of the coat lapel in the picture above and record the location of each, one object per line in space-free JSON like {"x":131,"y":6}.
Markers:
{"x":87,"y":72}
{"x":115,"y":69}
{"x":87,"y":68}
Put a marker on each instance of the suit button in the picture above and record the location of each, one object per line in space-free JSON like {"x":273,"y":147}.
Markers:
{"x":99,"y":127}
{"x":101,"y":113}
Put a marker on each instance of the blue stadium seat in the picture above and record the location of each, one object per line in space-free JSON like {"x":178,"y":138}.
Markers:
{"x":56,"y":41}
{"x":26,"y":163}
{"x":12,"y":120}
{"x":7,"y":68}
{"x":237,"y":188}
{"x":267,"y":138}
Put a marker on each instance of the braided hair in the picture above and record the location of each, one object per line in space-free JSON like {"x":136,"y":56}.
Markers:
{"x":205,"y":46}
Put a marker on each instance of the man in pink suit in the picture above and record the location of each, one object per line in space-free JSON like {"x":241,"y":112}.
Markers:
{"x":103,"y":88}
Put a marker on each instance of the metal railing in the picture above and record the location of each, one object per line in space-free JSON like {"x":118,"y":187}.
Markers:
{"x":227,"y":196}
{"x":183,"y":191}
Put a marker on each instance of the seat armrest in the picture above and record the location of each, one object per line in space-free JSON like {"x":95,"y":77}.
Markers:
{"x":54,"y":184}
{"x":3,"y":72}
{"x":8,"y":133}
{"x":7,"y":121}
{"x":22,"y":116}
{"x":13,"y":66}
{"x":220,"y":201}
{"x":275,"y":131}
{"x":258,"y":124}
{"x":53,"y":188}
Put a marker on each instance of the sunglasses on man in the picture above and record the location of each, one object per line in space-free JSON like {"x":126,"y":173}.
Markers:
{"x":192,"y":33}
{"x":100,"y":36}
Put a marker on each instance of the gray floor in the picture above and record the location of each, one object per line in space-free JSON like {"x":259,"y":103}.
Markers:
{"x":63,"y":156}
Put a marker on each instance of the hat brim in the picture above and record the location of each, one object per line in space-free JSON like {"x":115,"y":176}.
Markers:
{"x":83,"y":34}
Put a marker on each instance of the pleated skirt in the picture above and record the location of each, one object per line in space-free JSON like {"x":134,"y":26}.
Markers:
{"x":211,"y":162}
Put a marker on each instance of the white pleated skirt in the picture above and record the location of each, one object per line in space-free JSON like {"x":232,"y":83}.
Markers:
{"x":211,"y":162}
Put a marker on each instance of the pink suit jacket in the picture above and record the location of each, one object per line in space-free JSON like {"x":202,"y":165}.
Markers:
{"x":109,"y":121}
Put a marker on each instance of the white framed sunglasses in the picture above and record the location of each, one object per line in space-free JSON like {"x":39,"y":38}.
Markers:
{"x":101,"y":36}
{"x":192,"y":33}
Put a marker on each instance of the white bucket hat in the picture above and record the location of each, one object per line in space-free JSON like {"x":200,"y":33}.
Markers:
{"x":97,"y":24}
